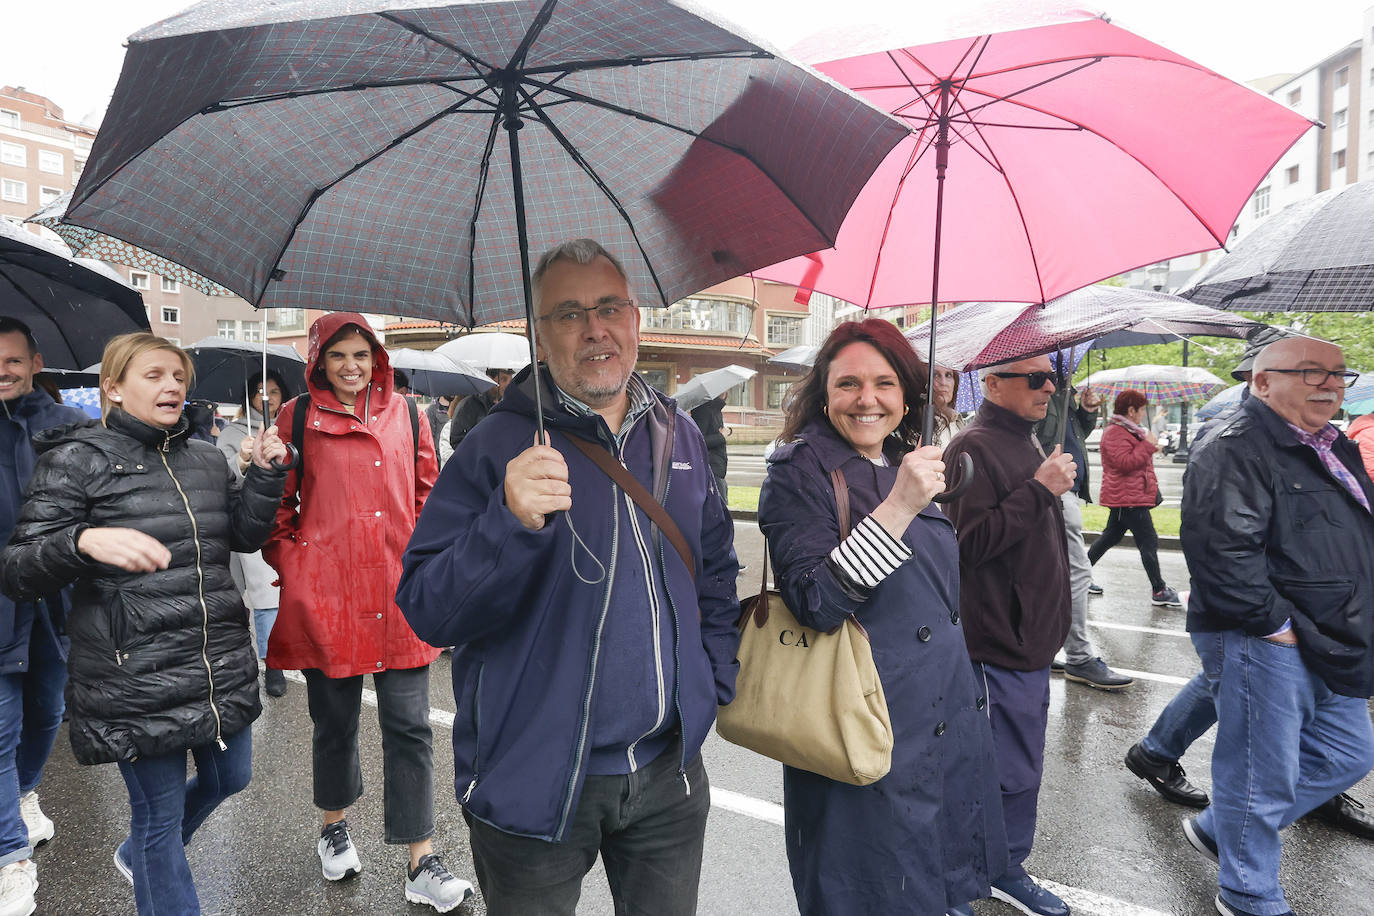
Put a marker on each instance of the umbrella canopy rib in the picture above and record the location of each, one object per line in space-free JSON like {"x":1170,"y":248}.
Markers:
{"x":582,"y":163}
{"x":59,"y":326}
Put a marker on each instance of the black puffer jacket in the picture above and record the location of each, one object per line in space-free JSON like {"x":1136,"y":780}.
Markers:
{"x":159,"y":661}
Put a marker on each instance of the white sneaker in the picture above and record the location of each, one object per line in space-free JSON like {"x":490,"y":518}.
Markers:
{"x":17,"y":887}
{"x":338,"y":858}
{"x":39,"y":824}
{"x":435,"y":885}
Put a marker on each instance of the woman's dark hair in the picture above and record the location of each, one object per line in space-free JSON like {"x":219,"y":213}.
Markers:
{"x":255,"y":382}
{"x":1128,"y":400}
{"x":807,"y":402}
{"x":947,"y":414}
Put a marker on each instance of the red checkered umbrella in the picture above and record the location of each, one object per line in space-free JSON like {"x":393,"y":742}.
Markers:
{"x":405,"y":160}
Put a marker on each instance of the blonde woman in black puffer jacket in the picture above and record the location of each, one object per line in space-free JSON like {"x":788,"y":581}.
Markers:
{"x":141,"y":519}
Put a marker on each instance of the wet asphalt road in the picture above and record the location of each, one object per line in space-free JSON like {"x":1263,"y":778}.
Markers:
{"x":1101,"y":829}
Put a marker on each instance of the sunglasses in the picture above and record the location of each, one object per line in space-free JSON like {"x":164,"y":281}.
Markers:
{"x":1034,"y":380}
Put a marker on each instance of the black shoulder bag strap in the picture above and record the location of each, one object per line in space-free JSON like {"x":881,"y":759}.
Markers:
{"x":652,"y":507}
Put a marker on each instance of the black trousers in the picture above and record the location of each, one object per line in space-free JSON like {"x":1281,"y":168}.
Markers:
{"x":407,"y":747}
{"x":647,"y":826}
{"x":1138,"y":521}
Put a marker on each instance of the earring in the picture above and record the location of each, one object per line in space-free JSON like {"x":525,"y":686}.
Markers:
{"x":825,"y":409}
{"x":116,"y":398}
{"x":906,"y":409}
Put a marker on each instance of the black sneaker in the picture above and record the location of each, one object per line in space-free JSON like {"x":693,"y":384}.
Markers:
{"x":1200,"y":840}
{"x":1166,"y":597}
{"x":1094,"y":589}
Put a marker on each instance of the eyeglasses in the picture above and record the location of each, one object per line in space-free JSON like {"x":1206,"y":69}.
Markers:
{"x":1317,"y":377}
{"x":1034,"y":380}
{"x":575,"y":317}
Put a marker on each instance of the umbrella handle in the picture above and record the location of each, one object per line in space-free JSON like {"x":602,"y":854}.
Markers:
{"x":964,"y":478}
{"x":293,"y":459}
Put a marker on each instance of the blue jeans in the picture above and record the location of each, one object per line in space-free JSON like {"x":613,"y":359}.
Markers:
{"x":263,"y":619}
{"x":167,"y":809}
{"x":1192,"y":710}
{"x":1285,"y":744}
{"x":30,"y":714}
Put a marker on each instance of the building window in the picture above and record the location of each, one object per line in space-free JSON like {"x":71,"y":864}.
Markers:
{"x":227,"y":329}
{"x":1369,"y":160}
{"x":657,"y":378}
{"x":250,"y":331}
{"x":1340,"y":117}
{"x":14,"y":154}
{"x":171,"y":314}
{"x":1342,"y":77}
{"x":1295,"y":96}
{"x":1371,"y":76}
{"x":785,"y":330}
{"x":1371,"y":117}
{"x":9,"y":118}
{"x":1262,"y":202}
{"x":170,"y":286}
{"x":47,"y":195}
{"x":286,"y":320}
{"x":49,"y":161}
{"x":1292,"y":174}
{"x":777,"y":392}
{"x":1338,"y":159}
{"x":139,"y":280}
{"x":699,"y":314}
{"x":16,"y":191}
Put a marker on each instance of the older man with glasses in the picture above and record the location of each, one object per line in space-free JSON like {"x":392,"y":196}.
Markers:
{"x":1014,"y":592}
{"x":591,"y":606}
{"x":1279,"y":540}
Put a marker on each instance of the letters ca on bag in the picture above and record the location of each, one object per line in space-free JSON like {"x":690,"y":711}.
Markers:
{"x":796,"y":639}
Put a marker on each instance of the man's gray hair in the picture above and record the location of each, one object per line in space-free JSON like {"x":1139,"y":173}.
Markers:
{"x":579,"y":251}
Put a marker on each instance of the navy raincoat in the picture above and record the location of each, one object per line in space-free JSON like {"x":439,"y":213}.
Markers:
{"x":929,"y":835}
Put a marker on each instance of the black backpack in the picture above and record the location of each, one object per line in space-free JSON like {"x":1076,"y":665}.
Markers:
{"x":298,"y":430}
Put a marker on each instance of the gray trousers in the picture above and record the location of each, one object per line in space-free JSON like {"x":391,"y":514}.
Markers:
{"x":1077,"y":648}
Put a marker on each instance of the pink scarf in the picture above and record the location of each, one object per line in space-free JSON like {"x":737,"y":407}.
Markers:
{"x":1133,"y":427}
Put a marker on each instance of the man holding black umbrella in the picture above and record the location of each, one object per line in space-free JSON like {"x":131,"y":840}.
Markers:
{"x":33,"y":666}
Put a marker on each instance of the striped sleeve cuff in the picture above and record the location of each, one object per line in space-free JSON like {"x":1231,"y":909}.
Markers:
{"x":869,"y":555}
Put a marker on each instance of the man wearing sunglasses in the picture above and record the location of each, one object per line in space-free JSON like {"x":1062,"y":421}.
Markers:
{"x":1014,"y":592}
{"x":1279,"y":540}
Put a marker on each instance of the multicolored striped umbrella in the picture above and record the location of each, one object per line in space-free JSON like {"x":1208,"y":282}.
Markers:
{"x":1159,"y":384}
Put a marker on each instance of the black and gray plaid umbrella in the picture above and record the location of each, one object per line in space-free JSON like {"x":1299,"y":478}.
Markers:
{"x":314,"y":154}
{"x":73,"y":306}
{"x":1316,"y":255}
{"x":367,"y":154}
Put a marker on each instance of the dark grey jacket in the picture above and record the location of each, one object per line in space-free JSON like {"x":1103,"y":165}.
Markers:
{"x":1270,"y":535}
{"x":159,"y":661}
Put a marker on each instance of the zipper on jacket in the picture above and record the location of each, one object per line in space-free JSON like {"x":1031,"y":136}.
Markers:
{"x":591,"y":681}
{"x":200,"y":591}
{"x":677,"y":634}
{"x":656,"y":614}
{"x":476,"y":733}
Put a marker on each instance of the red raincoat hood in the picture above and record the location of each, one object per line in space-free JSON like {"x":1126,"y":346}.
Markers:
{"x":324,"y":328}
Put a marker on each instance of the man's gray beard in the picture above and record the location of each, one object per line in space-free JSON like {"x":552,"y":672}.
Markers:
{"x":599,"y":397}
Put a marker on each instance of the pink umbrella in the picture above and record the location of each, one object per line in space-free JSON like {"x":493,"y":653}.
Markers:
{"x":1071,"y":152}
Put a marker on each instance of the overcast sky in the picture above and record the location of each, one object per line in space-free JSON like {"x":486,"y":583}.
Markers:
{"x":78,"y":65}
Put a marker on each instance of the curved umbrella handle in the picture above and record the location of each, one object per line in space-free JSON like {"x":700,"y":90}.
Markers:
{"x":293,"y":459}
{"x":964,"y":478}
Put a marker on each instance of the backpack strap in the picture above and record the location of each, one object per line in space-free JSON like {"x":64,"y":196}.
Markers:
{"x":414,"y":428}
{"x":299,"y":409}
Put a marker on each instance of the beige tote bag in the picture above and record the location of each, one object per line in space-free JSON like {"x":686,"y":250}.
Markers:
{"x":809,"y":699}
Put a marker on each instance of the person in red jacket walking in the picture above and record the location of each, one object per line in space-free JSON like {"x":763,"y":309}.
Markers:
{"x":366,"y":465}
{"x":1130,"y":491}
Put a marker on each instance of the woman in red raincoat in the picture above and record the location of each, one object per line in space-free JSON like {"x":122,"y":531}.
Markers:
{"x":348,"y":510}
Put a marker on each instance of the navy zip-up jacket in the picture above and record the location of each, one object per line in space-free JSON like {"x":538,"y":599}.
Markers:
{"x":26,"y":416}
{"x":526,"y":611}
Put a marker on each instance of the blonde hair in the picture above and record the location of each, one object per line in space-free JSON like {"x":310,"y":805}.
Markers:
{"x":122,"y":350}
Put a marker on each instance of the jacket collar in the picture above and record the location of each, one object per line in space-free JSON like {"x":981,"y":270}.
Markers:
{"x":26,"y":405}
{"x":834,"y":450}
{"x":152,"y":436}
{"x":1284,"y":437}
{"x":990,"y":414}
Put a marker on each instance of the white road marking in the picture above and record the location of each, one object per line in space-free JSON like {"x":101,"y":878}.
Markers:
{"x":1087,"y":903}
{"x":747,"y":805}
{"x":1150,"y":676}
{"x":1162,"y":631}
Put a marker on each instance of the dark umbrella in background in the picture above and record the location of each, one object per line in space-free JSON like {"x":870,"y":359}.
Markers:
{"x":406,"y":161}
{"x":1315,"y":255}
{"x":73,"y":306}
{"x":434,"y":374}
{"x":224,"y":368}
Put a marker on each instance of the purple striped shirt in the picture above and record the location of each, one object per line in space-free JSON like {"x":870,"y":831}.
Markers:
{"x":1321,"y":442}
